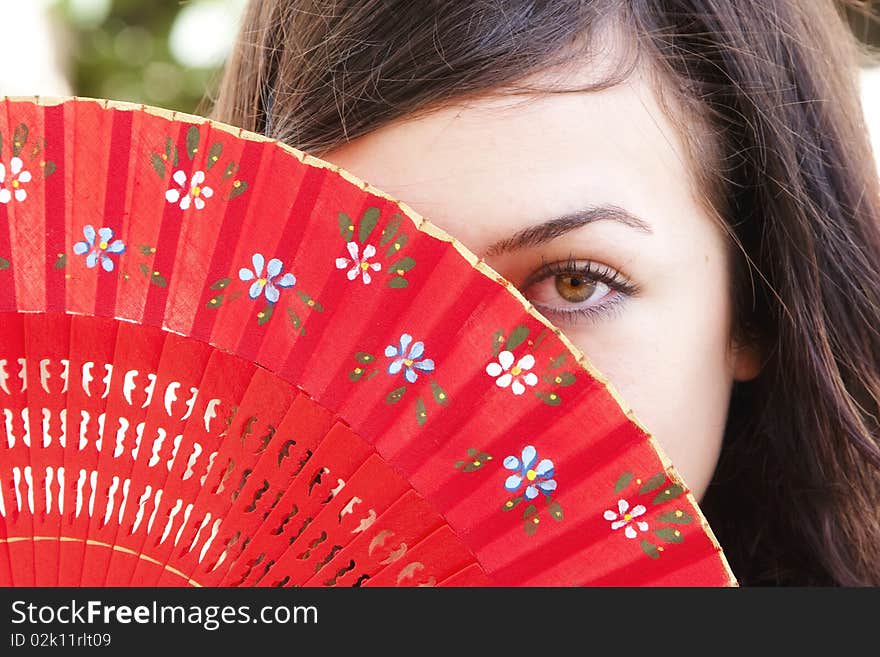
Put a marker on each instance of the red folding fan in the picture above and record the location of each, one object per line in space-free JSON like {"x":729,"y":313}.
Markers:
{"x":226,"y":362}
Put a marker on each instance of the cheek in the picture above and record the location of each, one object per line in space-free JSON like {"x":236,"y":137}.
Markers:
{"x":667,"y":356}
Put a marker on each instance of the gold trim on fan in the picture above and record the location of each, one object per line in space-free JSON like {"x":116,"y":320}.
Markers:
{"x":424,"y":225}
{"x":115,"y":548}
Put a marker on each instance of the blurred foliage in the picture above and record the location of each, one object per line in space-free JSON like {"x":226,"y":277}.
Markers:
{"x":126,"y":56}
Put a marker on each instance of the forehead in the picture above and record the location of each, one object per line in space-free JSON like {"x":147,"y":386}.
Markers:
{"x":495,"y":161}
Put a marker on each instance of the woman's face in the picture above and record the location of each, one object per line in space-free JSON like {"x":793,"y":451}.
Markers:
{"x":634,"y":271}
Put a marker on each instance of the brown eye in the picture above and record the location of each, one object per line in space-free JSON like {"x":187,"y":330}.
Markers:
{"x":574,"y":287}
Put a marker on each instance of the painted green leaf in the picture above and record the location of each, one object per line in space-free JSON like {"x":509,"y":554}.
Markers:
{"x":158,"y":279}
{"x":294,"y":318}
{"x":346,"y":226}
{"x":549,"y":398}
{"x":396,"y":245}
{"x":19,"y":138}
{"x":669,"y":534}
{"x":474,"y":464}
{"x":543,"y":334}
{"x":677,"y":517}
{"x":472,"y":451}
{"x":238,"y":188}
{"x":311,"y":303}
{"x":4,"y":264}
{"x":214,"y":154}
{"x":402,"y":265}
{"x":530,"y":519}
{"x":623,"y":481}
{"x":497,"y":341}
{"x":231,"y":169}
{"x":145,"y":249}
{"x":49,"y":169}
{"x":356,"y":375}
{"x":265,"y":314}
{"x":511,"y":503}
{"x":158,"y":165}
{"x":559,"y":360}
{"x":364,"y":357}
{"x":214,"y":302}
{"x":397,"y":282}
{"x":144,"y":270}
{"x":440,"y":395}
{"x":390,"y":229}
{"x":192,"y":141}
{"x":561,"y":379}
{"x":368,"y":222}
{"x":60,"y":261}
{"x":654,"y":482}
{"x":222,"y":283}
{"x":421,"y":411}
{"x":668,"y":494}
{"x":458,"y":465}
{"x":169,"y":150}
{"x":650,"y":549}
{"x":395,"y":395}
{"x":517,"y":337}
{"x":555,"y":510}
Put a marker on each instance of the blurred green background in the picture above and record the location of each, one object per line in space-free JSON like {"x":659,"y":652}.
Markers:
{"x":159,"y":52}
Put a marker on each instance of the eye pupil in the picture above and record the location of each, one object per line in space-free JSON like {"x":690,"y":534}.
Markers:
{"x":574,"y":288}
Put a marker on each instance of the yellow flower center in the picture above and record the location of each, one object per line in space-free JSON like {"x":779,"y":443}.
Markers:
{"x":103,"y":245}
{"x":196,"y":190}
{"x":408,"y":362}
{"x":531,"y":475}
{"x":365,"y":265}
{"x":516,"y":370}
{"x":15,"y":183}
{"x":627,"y":516}
{"x":262,"y":282}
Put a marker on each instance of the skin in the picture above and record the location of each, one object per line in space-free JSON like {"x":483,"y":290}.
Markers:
{"x":486,"y":167}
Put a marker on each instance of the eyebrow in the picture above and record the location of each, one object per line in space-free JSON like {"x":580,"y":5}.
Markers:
{"x":557,"y":226}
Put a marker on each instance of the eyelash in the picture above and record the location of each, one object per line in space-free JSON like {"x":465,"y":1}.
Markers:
{"x":593,"y":271}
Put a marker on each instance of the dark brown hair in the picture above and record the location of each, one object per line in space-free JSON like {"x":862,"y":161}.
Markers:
{"x":786,"y":166}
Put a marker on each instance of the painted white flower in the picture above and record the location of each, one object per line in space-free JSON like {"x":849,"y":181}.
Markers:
{"x":18,"y":177}
{"x":626,"y":517}
{"x":508,"y":374}
{"x":193,"y":193}
{"x":359,"y":263}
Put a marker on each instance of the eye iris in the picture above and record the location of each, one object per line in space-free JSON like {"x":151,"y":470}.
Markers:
{"x":575,"y":288}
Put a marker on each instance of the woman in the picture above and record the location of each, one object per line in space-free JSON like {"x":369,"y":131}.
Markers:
{"x":684,"y":187}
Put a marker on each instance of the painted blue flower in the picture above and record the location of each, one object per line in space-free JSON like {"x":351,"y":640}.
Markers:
{"x":270,"y":282}
{"x":538,"y":478}
{"x":98,"y":246}
{"x":409,"y":362}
